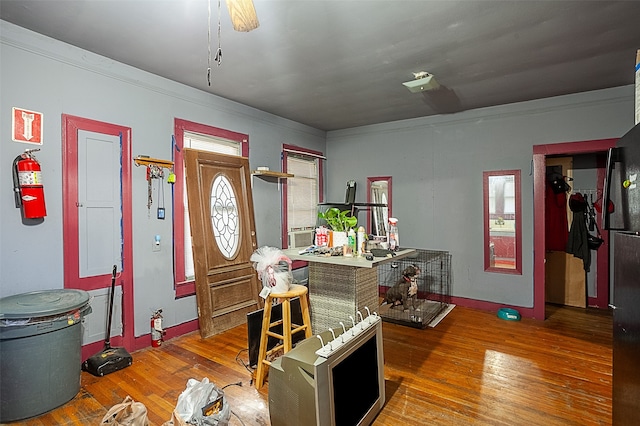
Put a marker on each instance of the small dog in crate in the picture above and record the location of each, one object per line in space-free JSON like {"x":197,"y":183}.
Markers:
{"x":405,"y":291}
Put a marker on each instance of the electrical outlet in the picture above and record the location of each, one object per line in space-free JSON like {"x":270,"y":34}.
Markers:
{"x":155,"y":245}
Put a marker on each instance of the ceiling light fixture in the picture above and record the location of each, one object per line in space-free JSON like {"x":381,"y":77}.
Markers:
{"x":243,"y":15}
{"x":423,"y":82}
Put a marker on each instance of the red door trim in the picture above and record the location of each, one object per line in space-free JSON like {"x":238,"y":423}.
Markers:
{"x":183,"y":287}
{"x":539,"y":154}
{"x":70,"y":127}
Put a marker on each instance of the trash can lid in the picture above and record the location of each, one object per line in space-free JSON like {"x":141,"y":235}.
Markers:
{"x":42,"y":303}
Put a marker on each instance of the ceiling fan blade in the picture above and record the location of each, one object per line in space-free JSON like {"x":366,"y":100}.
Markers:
{"x":243,"y":15}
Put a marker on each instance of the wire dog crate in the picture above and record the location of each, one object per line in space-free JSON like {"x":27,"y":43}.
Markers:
{"x":434,"y":288}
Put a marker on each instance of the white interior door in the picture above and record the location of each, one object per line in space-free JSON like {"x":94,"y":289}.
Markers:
{"x":97,"y":222}
{"x":99,"y":203}
{"x":99,"y":225}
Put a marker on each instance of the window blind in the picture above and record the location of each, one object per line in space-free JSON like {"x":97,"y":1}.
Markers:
{"x":302,"y":192}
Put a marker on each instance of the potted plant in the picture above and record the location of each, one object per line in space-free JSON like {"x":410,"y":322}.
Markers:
{"x":340,"y":222}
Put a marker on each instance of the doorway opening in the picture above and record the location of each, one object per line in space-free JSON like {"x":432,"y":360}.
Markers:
{"x":540,"y":155}
{"x":96,"y":193}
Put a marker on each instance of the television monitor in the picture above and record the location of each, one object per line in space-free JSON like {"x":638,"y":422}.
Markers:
{"x":350,"y":195}
{"x":346,"y":388}
{"x":254,"y":328}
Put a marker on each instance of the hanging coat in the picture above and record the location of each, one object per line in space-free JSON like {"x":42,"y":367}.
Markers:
{"x":578,"y":234}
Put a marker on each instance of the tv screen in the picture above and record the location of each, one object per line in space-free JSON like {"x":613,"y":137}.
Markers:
{"x":360,"y":367}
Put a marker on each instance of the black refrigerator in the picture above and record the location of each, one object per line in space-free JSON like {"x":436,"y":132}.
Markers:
{"x":622,"y":189}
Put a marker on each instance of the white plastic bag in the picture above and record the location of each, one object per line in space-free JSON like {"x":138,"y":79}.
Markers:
{"x":274,"y":270}
{"x":198,"y":395}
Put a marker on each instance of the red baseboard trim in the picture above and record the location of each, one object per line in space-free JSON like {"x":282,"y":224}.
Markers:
{"x":144,"y":341}
{"x":140,"y":342}
{"x":492,"y":306}
{"x":475,"y":304}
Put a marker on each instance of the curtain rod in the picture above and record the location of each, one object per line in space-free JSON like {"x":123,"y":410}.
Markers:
{"x":310,"y":154}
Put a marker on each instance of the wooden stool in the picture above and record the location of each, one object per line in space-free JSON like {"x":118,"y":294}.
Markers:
{"x":288,"y":329}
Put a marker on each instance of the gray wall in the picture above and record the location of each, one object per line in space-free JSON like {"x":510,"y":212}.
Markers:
{"x":436,"y":164}
{"x":44,"y":75}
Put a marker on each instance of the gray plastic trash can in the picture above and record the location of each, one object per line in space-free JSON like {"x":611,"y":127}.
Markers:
{"x":40,"y":351}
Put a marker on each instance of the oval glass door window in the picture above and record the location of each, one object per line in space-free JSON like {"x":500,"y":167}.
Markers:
{"x":225,"y":216}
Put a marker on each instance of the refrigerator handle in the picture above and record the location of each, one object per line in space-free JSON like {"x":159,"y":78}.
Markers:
{"x":607,"y":184}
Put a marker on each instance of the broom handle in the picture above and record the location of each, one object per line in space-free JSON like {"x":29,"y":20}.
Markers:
{"x":107,"y":340}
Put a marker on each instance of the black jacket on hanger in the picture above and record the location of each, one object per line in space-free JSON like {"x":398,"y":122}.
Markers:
{"x":578,"y":234}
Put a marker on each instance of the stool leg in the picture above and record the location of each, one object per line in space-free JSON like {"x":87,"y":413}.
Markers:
{"x":306,"y":318}
{"x":264,"y":338}
{"x":286,"y":324}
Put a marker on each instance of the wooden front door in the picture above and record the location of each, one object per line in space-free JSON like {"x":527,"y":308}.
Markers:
{"x":224,"y":237}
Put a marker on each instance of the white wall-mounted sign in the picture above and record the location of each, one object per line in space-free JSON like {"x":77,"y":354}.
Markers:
{"x":26,"y":126}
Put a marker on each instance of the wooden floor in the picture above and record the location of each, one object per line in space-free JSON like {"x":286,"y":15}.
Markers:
{"x":472,"y":368}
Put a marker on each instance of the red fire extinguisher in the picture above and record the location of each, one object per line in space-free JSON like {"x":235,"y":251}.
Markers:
{"x":27,"y":185}
{"x":156,"y":329}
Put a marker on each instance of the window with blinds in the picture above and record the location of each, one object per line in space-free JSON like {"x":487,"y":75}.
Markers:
{"x":211,"y":143}
{"x":302,"y":192}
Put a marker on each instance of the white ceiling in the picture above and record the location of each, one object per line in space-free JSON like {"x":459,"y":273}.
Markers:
{"x":336,"y":64}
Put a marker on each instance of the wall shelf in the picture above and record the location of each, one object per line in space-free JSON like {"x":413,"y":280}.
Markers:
{"x":270,"y":174}
{"x":141,"y":160}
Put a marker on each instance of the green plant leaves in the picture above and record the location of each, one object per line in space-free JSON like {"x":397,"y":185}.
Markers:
{"x":338,"y":220}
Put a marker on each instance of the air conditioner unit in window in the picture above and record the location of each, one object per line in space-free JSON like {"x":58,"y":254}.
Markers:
{"x":301,"y":238}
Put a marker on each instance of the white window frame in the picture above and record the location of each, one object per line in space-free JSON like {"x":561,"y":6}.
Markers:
{"x":295,"y":153}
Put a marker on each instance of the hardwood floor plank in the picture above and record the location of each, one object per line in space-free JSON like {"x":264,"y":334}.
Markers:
{"x":472,"y":369}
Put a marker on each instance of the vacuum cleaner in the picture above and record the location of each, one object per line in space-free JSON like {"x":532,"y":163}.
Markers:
{"x":109,"y":359}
